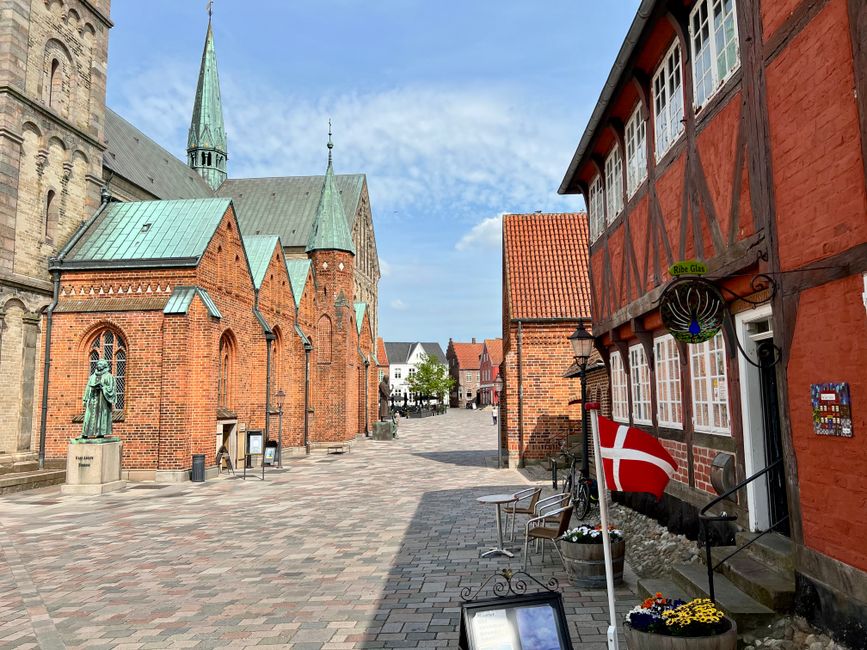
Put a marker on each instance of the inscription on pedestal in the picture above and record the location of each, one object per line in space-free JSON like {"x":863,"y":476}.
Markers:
{"x":93,"y":466}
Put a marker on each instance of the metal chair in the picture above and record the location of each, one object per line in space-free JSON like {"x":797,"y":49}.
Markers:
{"x":515,"y":509}
{"x":538,"y":530}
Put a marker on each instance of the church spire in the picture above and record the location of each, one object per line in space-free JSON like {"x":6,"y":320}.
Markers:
{"x":206,"y":145}
{"x":330,"y":228}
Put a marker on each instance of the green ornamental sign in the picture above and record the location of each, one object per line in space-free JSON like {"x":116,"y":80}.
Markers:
{"x":687,"y":267}
{"x":692,"y":308}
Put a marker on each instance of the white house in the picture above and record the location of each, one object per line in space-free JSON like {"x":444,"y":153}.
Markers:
{"x":402,"y":359}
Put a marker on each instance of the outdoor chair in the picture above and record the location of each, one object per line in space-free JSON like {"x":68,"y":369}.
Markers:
{"x":537,"y":529}
{"x":545,"y":506}
{"x":531,"y":496}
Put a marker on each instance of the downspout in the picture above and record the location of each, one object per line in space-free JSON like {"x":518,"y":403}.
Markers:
{"x":307,"y":349}
{"x":269,"y":338}
{"x":520,"y":397}
{"x":366,"y":404}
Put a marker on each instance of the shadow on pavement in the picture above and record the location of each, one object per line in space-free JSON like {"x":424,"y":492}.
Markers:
{"x":474,"y":458}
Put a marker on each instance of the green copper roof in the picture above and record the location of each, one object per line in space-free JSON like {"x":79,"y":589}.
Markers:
{"x":182,"y":298}
{"x":330,"y":228}
{"x":298,"y":270}
{"x":360,"y":308}
{"x":131,"y":234}
{"x":207,"y":130}
{"x":259,"y":250}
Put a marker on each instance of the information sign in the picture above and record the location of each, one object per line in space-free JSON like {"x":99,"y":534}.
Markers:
{"x":832,"y":409}
{"x":270,"y":455}
{"x":526,"y":622}
{"x":254,"y":443}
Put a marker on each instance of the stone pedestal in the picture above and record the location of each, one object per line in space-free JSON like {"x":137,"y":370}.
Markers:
{"x":382,"y":431}
{"x":93,"y":466}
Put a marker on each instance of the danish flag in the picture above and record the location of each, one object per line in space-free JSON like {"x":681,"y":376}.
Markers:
{"x":633,"y":461}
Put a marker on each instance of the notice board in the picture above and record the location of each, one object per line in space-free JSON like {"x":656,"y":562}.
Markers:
{"x":525,"y":622}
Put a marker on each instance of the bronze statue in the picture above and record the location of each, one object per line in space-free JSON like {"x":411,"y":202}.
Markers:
{"x":384,"y":394}
{"x":99,"y":400}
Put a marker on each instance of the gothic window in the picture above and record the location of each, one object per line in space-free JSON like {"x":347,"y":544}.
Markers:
{"x":56,"y":77}
{"x":225,"y":377}
{"x":50,"y":216}
{"x":55,"y":87}
{"x":111,"y":347}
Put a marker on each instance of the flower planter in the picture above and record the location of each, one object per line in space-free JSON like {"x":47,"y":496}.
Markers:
{"x":585,"y":563}
{"x":636,"y":640}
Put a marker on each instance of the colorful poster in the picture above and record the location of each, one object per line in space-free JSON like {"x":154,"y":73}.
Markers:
{"x":832,"y":409}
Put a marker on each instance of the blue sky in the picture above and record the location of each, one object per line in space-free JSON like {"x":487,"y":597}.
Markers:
{"x":457,"y":112}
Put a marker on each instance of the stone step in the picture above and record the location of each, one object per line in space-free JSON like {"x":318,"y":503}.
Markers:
{"x":20,"y":481}
{"x":771,"y":548}
{"x":747,"y":612}
{"x":772,"y":587}
{"x":649,"y":587}
{"x":8,"y":466}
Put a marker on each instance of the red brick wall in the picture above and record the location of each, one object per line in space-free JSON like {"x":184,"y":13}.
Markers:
{"x":702,"y":459}
{"x":678,"y":452}
{"x":830,"y":345}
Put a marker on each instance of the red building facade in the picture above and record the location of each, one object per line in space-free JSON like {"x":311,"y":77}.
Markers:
{"x":734,"y":133}
{"x":489,"y":370}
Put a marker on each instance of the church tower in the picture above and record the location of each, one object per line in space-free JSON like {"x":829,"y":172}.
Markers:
{"x":206,"y":145}
{"x":332,"y":256}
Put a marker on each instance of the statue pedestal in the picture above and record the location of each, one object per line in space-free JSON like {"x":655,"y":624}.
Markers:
{"x":93,"y":466}
{"x":382,"y":431}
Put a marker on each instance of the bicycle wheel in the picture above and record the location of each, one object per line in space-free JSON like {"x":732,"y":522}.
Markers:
{"x":582,"y":501}
{"x":568,"y":483}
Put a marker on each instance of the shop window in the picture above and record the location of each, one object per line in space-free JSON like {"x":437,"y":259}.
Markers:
{"x":619,"y":394}
{"x":639,"y":379}
{"x":668,"y":101}
{"x":669,"y":410}
{"x":110,"y":346}
{"x":710,"y":403}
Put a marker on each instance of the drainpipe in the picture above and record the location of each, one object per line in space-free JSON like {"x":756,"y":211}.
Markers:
{"x":520,"y":397}
{"x":269,"y":339}
{"x":46,"y":365}
{"x":366,"y":405}
{"x":307,"y":350}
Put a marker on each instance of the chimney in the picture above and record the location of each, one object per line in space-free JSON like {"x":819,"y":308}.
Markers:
{"x":474,"y":339}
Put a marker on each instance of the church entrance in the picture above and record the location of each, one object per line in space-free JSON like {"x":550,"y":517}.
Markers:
{"x":227,"y":443}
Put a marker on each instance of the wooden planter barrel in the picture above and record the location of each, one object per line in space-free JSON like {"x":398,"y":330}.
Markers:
{"x":636,"y":640}
{"x":585,"y":563}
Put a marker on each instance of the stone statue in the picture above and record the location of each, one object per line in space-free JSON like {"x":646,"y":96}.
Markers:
{"x":384,"y":394}
{"x":99,"y":399}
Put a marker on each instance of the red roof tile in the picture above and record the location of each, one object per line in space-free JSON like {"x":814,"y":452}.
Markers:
{"x":381,"y":354}
{"x":495,"y":350}
{"x":467,"y":354}
{"x":546,"y":265}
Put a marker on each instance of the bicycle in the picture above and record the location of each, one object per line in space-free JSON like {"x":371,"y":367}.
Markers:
{"x":585,"y":493}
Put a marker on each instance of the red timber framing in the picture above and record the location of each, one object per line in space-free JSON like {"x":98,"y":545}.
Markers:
{"x":768,"y":176}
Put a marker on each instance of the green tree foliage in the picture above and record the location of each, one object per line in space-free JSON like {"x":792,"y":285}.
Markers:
{"x":430,"y":379}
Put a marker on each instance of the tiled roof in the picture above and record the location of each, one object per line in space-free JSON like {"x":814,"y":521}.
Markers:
{"x":126,"y":234}
{"x":434,"y":350}
{"x":298,"y":271}
{"x":287,"y":206}
{"x":381,"y":354}
{"x":495,"y":350}
{"x":135,"y":157}
{"x":330,"y":228}
{"x":360,"y":309}
{"x":182,"y":297}
{"x":467,"y":354}
{"x":546,"y":265}
{"x":259,"y":249}
{"x":398,"y":352}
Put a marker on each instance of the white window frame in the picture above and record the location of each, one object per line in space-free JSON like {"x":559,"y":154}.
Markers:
{"x":398,"y":373}
{"x":710,"y":389}
{"x":614,"y":183}
{"x":715,"y":52}
{"x":636,"y":151}
{"x":639,"y":385}
{"x":597,"y":208}
{"x":619,"y":389}
{"x":669,"y":401}
{"x":668,"y":110}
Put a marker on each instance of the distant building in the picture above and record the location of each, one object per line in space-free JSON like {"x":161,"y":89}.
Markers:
{"x":489,"y":370}
{"x":402,"y":360}
{"x":546,"y":294}
{"x":464,"y":364}
{"x":381,"y":359}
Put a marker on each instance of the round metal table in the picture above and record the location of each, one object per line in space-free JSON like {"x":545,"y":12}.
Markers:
{"x":498,"y":500}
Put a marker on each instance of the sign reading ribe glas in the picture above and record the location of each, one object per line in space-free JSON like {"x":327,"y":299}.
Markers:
{"x":832,"y":409}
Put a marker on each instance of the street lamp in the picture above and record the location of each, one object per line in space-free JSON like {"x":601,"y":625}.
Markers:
{"x":582,"y":345}
{"x":281,"y":396}
{"x":498,"y":387}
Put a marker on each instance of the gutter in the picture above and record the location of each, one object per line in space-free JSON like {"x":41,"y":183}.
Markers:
{"x":520,"y":396}
{"x":269,"y":339}
{"x":642,"y":16}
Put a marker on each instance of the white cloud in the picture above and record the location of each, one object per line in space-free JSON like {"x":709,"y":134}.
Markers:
{"x":398,"y":305}
{"x":486,"y":234}
{"x":384,"y":268}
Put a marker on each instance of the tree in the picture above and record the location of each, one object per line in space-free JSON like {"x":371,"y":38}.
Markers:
{"x":430,"y":379}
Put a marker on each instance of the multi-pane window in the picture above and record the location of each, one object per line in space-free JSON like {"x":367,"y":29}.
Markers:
{"x":619,"y":395}
{"x":597,"y":208}
{"x":636,"y":150}
{"x":614,"y":183}
{"x":710,"y":398}
{"x":669,"y":411}
{"x":713,"y":34}
{"x":668,"y":101}
{"x":397,"y":373}
{"x":110,"y":347}
{"x":639,"y":379}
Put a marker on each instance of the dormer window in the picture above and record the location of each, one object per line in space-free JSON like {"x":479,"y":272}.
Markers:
{"x":713,"y":35}
{"x":614,"y":183}
{"x":668,"y":101}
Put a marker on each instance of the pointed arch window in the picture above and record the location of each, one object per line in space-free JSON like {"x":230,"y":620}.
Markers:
{"x":50,"y":217}
{"x":323,"y":335}
{"x":225,"y":376}
{"x":55,"y":84}
{"x":110,"y":346}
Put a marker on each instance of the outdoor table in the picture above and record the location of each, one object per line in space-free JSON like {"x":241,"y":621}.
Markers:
{"x":498,"y":500}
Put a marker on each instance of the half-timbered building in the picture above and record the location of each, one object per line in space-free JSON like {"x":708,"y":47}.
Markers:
{"x":735,"y":133}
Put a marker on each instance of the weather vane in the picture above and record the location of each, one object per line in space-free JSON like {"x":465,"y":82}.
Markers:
{"x":210,"y":8}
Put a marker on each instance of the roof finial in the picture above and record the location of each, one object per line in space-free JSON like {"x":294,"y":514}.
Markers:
{"x":210,"y":9}
{"x":330,"y":143}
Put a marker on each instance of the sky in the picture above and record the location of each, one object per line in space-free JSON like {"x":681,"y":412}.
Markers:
{"x":458,"y":111}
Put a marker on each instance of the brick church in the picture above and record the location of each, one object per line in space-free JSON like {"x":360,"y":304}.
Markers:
{"x":210,"y":297}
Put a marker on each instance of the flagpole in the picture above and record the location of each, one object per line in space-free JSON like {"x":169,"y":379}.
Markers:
{"x":613,"y":643}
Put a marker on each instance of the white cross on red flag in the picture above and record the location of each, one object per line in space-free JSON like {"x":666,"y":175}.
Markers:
{"x":633,"y":460}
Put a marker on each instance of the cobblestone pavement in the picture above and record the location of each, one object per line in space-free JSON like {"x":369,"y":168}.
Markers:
{"x":368,"y":549}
